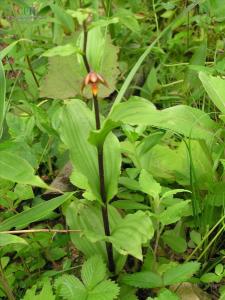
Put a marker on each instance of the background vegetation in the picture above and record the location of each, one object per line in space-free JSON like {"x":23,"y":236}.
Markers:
{"x":112,"y":149}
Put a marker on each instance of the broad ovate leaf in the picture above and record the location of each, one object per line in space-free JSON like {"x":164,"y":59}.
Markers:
{"x":77,"y":120}
{"x":66,"y":74}
{"x":87,"y":217}
{"x":181,"y":119}
{"x":131,"y":233}
{"x":180,"y":273}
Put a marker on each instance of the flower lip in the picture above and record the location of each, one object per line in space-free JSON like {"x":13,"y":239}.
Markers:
{"x":93,"y":79}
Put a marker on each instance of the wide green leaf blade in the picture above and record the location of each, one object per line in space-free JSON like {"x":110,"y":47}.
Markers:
{"x":133,"y":231}
{"x":34,"y":214}
{"x":215,"y":88}
{"x":86,"y":216}
{"x":77,"y":121}
{"x":2,"y":96}
{"x":148,"y":184}
{"x":181,"y":119}
{"x":16,"y":169}
{"x":6,"y":239}
{"x":144,"y":280}
{"x":180,"y":273}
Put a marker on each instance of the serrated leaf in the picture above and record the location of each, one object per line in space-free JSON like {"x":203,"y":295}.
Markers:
{"x":45,"y":294}
{"x":143,"y":280}
{"x":166,"y":294}
{"x":93,"y":271}
{"x":180,"y":273}
{"x":66,"y":74}
{"x":106,"y":290}
{"x":133,"y":231}
{"x":69,"y":287}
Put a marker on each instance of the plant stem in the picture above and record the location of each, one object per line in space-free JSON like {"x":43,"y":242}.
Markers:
{"x":105,"y":215}
{"x":7,"y":289}
{"x":31,"y":69}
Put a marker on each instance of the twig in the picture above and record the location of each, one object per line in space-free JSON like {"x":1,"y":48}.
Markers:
{"x":40,"y":230}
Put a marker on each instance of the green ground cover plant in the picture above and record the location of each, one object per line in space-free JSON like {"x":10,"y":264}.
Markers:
{"x":112,"y":149}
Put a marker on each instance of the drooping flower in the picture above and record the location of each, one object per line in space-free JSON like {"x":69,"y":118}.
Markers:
{"x":93,"y":79}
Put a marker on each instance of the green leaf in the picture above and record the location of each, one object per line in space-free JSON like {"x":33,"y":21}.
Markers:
{"x":166,"y":294}
{"x":128,"y":19}
{"x":64,"y":18}
{"x":9,"y":48}
{"x":104,"y":22}
{"x":69,"y":287}
{"x":181,"y":119}
{"x":177,"y":243}
{"x":64,"y":50}
{"x":77,"y":121}
{"x":66,"y":74}
{"x":45,"y":294}
{"x":87,"y":217}
{"x":173,"y":213}
{"x":148,"y":184}
{"x":34,"y":214}
{"x":16,"y":169}
{"x":215,"y":87}
{"x":133,"y":231}
{"x":129,"y":204}
{"x":146,"y":280}
{"x":106,"y":290}
{"x":2,"y":96}
{"x":93,"y":271}
{"x":6,"y":239}
{"x":180,"y":273}
{"x":129,"y":78}
{"x":210,"y":277}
